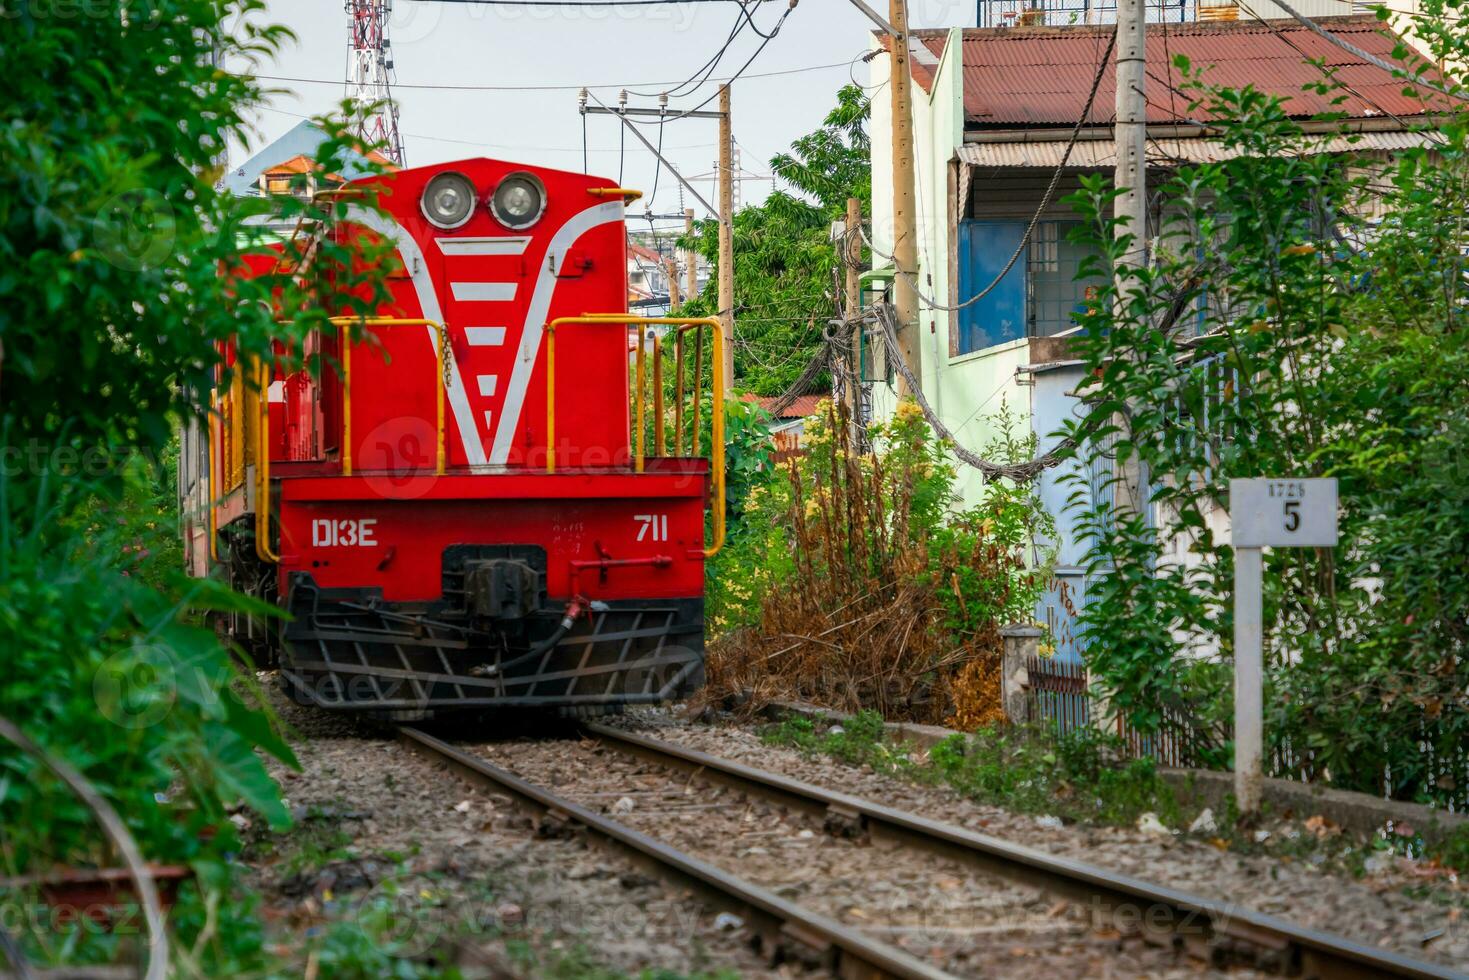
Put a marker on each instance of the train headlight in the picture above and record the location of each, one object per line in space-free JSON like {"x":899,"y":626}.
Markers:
{"x":519,"y":201}
{"x":448,"y":201}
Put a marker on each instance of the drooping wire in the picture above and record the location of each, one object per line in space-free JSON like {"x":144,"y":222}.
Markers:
{"x":657,"y":172}
{"x":621,"y":152}
{"x":1081,"y":120}
{"x":736,"y":76}
{"x":702,"y":73}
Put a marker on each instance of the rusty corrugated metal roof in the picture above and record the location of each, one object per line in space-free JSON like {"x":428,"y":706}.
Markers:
{"x":802,"y":407}
{"x":1164,"y":151}
{"x":1039,"y":76}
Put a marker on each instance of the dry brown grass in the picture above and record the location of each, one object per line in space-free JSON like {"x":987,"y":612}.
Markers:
{"x":868,"y":620}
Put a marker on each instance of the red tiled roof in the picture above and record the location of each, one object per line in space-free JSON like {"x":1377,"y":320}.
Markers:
{"x":643,"y":252}
{"x":1040,"y":76}
{"x":803,"y":406}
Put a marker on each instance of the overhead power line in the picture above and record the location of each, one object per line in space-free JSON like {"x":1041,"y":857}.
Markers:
{"x":337,"y":82}
{"x":767,"y":38}
{"x":572,"y":3}
{"x":1086,"y":111}
{"x":886,"y":321}
{"x":699,"y":77}
{"x":1371,"y":59}
{"x":495,"y":146}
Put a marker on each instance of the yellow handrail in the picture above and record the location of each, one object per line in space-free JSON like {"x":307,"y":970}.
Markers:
{"x":216,"y":446}
{"x":443,"y":359}
{"x":678,"y":395}
{"x":660,"y":441}
{"x":683,"y":324}
{"x":262,"y":468}
{"x":642,"y":383}
{"x":626,"y":193}
{"x":234,"y":471}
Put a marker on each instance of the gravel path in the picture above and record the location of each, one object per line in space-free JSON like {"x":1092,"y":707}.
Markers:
{"x":375,"y":819}
{"x":940,"y":910}
{"x":1373,"y":910}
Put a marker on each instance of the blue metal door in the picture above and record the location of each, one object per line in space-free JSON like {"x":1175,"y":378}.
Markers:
{"x":984,"y":248}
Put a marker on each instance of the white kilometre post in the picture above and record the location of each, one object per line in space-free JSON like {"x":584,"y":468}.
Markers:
{"x":1249,"y":708}
{"x":1265,"y":513}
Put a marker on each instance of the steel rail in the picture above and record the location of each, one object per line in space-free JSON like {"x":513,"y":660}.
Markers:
{"x":1222,"y":933}
{"x":781,"y":924}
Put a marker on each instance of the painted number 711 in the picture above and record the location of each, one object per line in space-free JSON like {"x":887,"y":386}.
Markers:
{"x":652,"y":527}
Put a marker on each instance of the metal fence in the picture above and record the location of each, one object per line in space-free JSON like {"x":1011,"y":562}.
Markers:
{"x":1058,"y":698}
{"x":1063,"y":13}
{"x":1058,"y":694}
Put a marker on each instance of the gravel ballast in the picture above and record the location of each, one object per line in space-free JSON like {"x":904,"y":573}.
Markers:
{"x":938,"y":909}
{"x":1372,"y":910}
{"x":400,"y":824}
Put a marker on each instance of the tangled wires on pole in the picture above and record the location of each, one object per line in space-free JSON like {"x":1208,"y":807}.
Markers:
{"x":884,"y":316}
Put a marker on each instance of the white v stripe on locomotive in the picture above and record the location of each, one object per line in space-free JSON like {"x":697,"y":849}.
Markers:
{"x":428,"y":301}
{"x":483,"y":292}
{"x":535,"y":318}
{"x":488,"y":383}
{"x":482,"y":246}
{"x":484,"y":336}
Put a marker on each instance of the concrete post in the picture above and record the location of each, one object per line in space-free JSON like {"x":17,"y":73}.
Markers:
{"x":1021,"y":643}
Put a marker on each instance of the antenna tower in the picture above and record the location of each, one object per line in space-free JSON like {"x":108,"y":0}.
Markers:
{"x":370,"y":72}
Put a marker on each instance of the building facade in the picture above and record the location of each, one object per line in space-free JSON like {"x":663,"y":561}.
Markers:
{"x":994,"y":112}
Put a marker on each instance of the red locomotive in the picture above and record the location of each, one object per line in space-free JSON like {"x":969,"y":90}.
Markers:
{"x":461,"y":511}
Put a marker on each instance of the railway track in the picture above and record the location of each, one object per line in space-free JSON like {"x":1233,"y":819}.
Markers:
{"x":1217,"y":933}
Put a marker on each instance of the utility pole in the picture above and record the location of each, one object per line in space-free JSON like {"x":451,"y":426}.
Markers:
{"x":852,"y":249}
{"x":905,"y":208}
{"x":726,"y":235}
{"x":691,"y":256}
{"x":670,"y":264}
{"x":1131,"y":207}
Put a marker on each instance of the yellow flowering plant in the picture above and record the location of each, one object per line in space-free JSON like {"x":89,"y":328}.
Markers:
{"x":854,"y":579}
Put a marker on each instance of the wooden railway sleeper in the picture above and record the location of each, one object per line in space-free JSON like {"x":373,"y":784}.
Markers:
{"x":794,"y":944}
{"x":556,"y":825}
{"x":844,"y":823}
{"x":1235,"y":943}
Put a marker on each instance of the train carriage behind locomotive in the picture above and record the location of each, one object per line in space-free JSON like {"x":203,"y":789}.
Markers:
{"x":455,"y":510}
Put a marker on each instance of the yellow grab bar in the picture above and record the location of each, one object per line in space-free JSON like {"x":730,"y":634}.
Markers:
{"x":261,"y":449}
{"x":642,"y":383}
{"x":262,"y":468}
{"x":626,"y":193}
{"x":443,"y":361}
{"x":660,"y":444}
{"x":216,"y":446}
{"x":683,"y":323}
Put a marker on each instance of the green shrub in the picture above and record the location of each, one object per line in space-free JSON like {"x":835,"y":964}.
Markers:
{"x":1301,"y":315}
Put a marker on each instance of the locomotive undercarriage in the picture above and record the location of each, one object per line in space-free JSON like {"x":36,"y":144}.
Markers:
{"x":494,"y":640}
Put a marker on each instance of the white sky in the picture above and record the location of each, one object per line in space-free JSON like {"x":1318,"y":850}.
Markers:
{"x":439,"y":43}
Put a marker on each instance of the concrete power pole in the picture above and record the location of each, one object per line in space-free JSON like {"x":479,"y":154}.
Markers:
{"x":691,"y":290}
{"x":905,"y":209}
{"x":726,"y":235}
{"x":1131,"y":207}
{"x":852,"y":255}
{"x":670,"y":264}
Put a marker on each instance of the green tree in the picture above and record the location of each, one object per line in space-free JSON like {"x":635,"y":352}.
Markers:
{"x":116,"y":302}
{"x":1302,"y":316}
{"x":784,"y":257}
